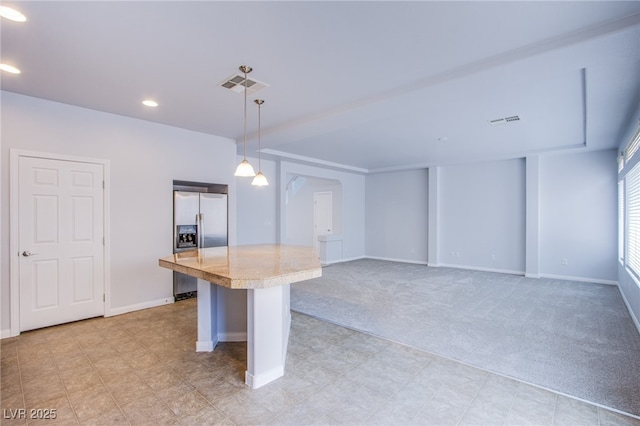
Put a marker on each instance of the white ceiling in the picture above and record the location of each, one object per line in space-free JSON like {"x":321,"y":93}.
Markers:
{"x":371,"y":86}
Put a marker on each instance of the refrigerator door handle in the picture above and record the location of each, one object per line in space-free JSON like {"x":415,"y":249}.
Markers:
{"x":200,"y":222}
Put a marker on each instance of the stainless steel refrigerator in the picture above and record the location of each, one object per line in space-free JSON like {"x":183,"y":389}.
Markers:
{"x":199,"y":221}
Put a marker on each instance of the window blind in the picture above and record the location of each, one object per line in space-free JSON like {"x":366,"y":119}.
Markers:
{"x":633,"y":220}
{"x":621,"y":220}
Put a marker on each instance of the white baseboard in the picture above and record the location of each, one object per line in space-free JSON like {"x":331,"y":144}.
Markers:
{"x":262,"y":379}
{"x":581,"y":279}
{"x":631,"y":313}
{"x":342,"y":260}
{"x":479,"y":268}
{"x":391,"y":259}
{"x":236,"y":336}
{"x":116,"y":311}
{"x":206,"y":346}
{"x":138,"y":306}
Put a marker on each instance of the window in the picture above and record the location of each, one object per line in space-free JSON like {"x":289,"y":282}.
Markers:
{"x":621,"y":162}
{"x":621,"y":221}
{"x":633,"y":220}
{"x":633,"y":146}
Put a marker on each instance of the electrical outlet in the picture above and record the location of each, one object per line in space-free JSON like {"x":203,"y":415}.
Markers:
{"x":457,"y":254}
{"x":493,"y":257}
{"x":564,"y":261}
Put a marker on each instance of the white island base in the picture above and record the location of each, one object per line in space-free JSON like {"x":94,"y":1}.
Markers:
{"x":243,"y":295}
{"x":264,"y":323}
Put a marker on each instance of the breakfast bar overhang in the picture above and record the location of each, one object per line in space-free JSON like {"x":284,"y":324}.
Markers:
{"x":265,"y":272}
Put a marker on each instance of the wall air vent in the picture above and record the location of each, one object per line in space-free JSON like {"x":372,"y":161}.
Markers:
{"x":505,"y":120}
{"x":236,"y":84}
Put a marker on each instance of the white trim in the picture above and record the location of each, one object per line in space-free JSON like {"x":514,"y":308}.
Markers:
{"x":4,"y":334}
{"x":140,"y":306}
{"x":234,"y":336}
{"x":343,"y":260}
{"x":14,"y":237}
{"x":107,"y":238}
{"x":631,"y":313}
{"x":479,"y":268}
{"x":581,"y":279}
{"x":207,"y":346}
{"x":314,"y":161}
{"x":391,"y":259}
{"x":262,"y":379}
{"x":455,"y":161}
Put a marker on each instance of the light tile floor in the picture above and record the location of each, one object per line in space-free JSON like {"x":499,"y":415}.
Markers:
{"x":141,"y":369}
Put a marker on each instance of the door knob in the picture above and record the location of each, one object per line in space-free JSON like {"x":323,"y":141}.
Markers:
{"x":27,"y":253}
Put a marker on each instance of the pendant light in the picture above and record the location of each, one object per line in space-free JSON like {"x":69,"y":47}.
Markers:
{"x":260,"y":179}
{"x":244,"y":168}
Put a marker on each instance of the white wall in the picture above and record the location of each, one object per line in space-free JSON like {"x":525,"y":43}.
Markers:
{"x":482,"y":213}
{"x":257,"y":206}
{"x":353,"y":204}
{"x":578,"y":215}
{"x":144,"y":158}
{"x":397,"y":216}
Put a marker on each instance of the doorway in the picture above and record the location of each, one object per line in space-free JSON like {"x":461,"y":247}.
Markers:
{"x":322,"y":215}
{"x":300,"y":209}
{"x":59,"y":261}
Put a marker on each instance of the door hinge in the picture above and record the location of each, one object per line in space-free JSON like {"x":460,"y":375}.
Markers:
{"x":104,"y":297}
{"x":102,"y":184}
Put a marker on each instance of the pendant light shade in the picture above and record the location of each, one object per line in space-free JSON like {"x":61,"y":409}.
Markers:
{"x":260,"y":179}
{"x":245,"y":169}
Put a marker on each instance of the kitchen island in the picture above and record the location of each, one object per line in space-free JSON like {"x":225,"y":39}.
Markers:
{"x":264,"y":273}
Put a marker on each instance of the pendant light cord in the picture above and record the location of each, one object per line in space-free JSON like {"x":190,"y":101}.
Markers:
{"x":259,"y":153}
{"x":245,"y":115}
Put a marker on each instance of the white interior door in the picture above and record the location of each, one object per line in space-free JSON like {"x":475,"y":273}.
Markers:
{"x":61,"y":241}
{"x":322,"y":215}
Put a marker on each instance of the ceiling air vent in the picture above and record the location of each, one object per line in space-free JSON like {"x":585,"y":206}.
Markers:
{"x":505,"y":120}
{"x":236,"y":84}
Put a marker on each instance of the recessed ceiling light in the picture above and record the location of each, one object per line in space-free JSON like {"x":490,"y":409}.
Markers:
{"x":12,"y":14}
{"x":150,"y":103}
{"x":9,"y":68}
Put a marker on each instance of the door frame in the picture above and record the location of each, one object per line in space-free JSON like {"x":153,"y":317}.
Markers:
{"x":14,"y":218}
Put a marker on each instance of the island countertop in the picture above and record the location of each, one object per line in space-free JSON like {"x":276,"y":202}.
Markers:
{"x":247,"y":267}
